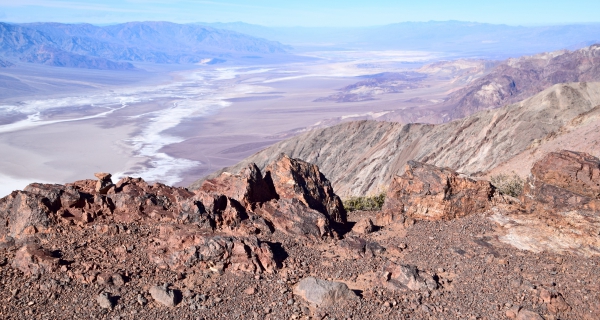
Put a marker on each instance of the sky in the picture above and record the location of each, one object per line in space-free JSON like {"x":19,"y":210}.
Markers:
{"x":308,"y":13}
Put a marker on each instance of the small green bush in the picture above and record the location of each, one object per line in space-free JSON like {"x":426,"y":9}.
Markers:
{"x":511,"y":185}
{"x":373,"y":203}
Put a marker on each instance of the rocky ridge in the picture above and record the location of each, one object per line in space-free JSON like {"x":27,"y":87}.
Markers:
{"x":94,"y":47}
{"x":280,"y":245}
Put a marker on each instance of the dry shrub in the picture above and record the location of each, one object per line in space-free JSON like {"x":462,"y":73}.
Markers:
{"x":509,"y":184}
{"x":373,"y":203}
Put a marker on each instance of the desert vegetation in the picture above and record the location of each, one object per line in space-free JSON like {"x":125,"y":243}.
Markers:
{"x":509,"y":184}
{"x":372,"y":203}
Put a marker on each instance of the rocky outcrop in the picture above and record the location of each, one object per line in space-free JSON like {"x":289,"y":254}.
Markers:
{"x":361,"y":158}
{"x":32,"y":259}
{"x":104,"y":182}
{"x":561,"y":200}
{"x":427,"y":192}
{"x":248,"y":187}
{"x":297,"y":179}
{"x":292,"y":217}
{"x":23,"y":212}
{"x":564,"y":180}
{"x":180,"y":248}
{"x":293,"y":195}
{"x":217,"y":227}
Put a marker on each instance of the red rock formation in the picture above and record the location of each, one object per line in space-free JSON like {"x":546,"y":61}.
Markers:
{"x":216,"y":226}
{"x":292,"y":217}
{"x":248,"y":187}
{"x":563,"y":179}
{"x":32,"y":259}
{"x":428,"y":192}
{"x":183,"y":248}
{"x":296,"y":179}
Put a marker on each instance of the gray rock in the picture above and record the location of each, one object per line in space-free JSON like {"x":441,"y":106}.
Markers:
{"x":163,"y":295}
{"x":407,"y":277}
{"x":105,"y":301}
{"x":323,"y":293}
{"x":142,"y":300}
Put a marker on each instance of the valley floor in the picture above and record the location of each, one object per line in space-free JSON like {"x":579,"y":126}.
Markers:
{"x":181,"y":127}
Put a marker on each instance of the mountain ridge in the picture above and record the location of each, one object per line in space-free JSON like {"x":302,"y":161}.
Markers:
{"x":96,"y":47}
{"x":360,"y":158}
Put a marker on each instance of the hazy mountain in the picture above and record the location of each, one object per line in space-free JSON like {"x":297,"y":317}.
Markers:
{"x":517,"y":79}
{"x":445,"y":36}
{"x":88,"y":46}
{"x":510,"y":81}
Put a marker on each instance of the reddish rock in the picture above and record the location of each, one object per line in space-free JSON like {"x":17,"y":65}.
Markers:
{"x":358,"y":247}
{"x":32,"y":259}
{"x":104,"y":182}
{"x":296,"y":179}
{"x":554,"y":301}
{"x":187,"y":247}
{"x":563,"y":180}
{"x":222,"y":211}
{"x":21,"y":210}
{"x":577,"y":172}
{"x":248,"y":187}
{"x":292,"y":217}
{"x":364,"y":226}
{"x":135,"y":199}
{"x":428,"y":192}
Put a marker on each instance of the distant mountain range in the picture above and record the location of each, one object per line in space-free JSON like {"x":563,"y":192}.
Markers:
{"x":489,"y":40}
{"x":115,"y":47}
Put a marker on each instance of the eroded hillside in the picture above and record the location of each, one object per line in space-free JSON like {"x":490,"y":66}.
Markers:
{"x":360,"y":158}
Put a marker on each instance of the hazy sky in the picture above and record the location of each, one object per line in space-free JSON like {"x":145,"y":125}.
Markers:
{"x":305,"y":12}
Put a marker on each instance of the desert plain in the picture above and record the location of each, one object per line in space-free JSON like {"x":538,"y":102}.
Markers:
{"x":176,"y":124}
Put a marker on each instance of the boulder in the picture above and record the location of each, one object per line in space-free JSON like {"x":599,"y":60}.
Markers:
{"x":528,"y":315}
{"x":427,"y":192}
{"x":296,"y":179}
{"x":577,"y":172}
{"x":563,"y":180}
{"x":183,"y":247}
{"x":554,"y":301}
{"x":359,"y":247}
{"x":163,"y":295}
{"x":22,"y":211}
{"x":364,"y":226}
{"x":104,"y":182}
{"x":292,"y":217}
{"x":403,"y":277}
{"x":248,"y":187}
{"x":32,"y":259}
{"x":105,"y":300}
{"x":323,"y":293}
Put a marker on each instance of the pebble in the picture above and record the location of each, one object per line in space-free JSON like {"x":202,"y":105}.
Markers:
{"x":142,"y":300}
{"x":105,"y":301}
{"x":163,"y":295}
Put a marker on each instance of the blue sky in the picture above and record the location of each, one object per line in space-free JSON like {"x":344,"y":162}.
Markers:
{"x":303,"y":13}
